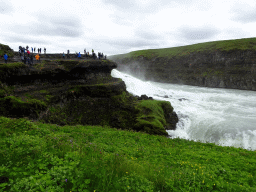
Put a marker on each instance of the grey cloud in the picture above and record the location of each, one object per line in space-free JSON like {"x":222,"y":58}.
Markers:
{"x":149,"y":35}
{"x":236,"y":33}
{"x":127,"y":4}
{"x":24,"y":40}
{"x":245,"y":16}
{"x":51,"y":26}
{"x":151,"y":6}
{"x":5,"y":7}
{"x":60,"y":20}
{"x":131,"y":10}
{"x":46,"y":29}
{"x":130,"y":43}
{"x":121,"y":20}
{"x":56,"y":30}
{"x":192,"y":33}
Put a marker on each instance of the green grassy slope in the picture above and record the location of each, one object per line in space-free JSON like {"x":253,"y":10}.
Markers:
{"x":47,"y":157}
{"x":226,"y":45}
{"x":6,"y":49}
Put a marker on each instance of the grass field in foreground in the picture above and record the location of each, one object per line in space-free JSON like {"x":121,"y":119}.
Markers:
{"x":46,"y":157}
{"x":225,"y":45}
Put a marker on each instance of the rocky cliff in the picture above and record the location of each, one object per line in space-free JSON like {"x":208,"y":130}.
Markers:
{"x":221,"y":64}
{"x":78,"y":92}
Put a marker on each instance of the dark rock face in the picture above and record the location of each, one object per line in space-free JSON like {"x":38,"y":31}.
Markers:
{"x":70,"y":93}
{"x":57,"y":72}
{"x":145,"y":97}
{"x":221,"y":69}
{"x":172,"y":120}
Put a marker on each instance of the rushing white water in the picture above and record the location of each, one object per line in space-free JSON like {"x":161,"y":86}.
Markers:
{"x":225,"y":117}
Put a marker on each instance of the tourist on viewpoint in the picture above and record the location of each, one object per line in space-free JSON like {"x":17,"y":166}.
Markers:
{"x":5,"y":58}
{"x":37,"y":57}
{"x":79,"y":56}
{"x":31,"y":59}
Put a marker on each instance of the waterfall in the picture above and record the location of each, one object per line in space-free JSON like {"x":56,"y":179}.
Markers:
{"x":226,"y":117}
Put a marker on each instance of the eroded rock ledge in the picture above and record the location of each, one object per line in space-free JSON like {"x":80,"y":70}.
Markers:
{"x":78,"y":92}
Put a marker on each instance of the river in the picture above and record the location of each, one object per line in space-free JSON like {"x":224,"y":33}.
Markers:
{"x":226,"y":117}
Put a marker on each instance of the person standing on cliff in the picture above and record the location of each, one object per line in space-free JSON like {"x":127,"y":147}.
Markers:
{"x":37,"y":50}
{"x":68,"y":54}
{"x":28,"y":59}
{"x":37,"y":57}
{"x":32,"y":49}
{"x":20,"y":50}
{"x":22,"y":58}
{"x":31,"y":59}
{"x":28,"y":52}
{"x":63,"y":56}
{"x":79,"y":56}
{"x":5,"y":58}
{"x":44,"y":50}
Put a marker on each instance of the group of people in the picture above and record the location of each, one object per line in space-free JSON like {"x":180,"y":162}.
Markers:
{"x":27,"y":57}
{"x":86,"y":54}
{"x":33,"y":49}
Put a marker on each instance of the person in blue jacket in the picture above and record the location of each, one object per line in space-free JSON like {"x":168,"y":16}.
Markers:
{"x":5,"y":58}
{"x":79,"y":55}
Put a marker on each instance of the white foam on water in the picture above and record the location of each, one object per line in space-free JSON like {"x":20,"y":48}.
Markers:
{"x":226,"y":117}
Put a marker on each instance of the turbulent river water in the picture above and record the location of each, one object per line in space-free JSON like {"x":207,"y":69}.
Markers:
{"x":226,"y":117}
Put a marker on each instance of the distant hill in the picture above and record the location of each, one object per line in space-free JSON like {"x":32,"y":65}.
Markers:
{"x":225,"y":45}
{"x":223,"y":64}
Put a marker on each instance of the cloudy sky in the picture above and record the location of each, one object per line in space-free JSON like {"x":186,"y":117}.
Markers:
{"x":121,"y":26}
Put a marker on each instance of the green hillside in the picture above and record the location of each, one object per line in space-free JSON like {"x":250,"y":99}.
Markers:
{"x":47,"y":157}
{"x":6,"y":49}
{"x":226,"y":45}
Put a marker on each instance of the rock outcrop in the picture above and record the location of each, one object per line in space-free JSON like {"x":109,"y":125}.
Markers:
{"x":75,"y":92}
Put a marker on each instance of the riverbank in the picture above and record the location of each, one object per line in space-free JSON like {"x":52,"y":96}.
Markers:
{"x":218,"y":64}
{"x":52,"y":157}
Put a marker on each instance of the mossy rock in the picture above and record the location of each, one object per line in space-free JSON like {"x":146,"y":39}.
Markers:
{"x":12,"y":106}
{"x":151,"y":118}
{"x":6,"y":49}
{"x":115,"y":111}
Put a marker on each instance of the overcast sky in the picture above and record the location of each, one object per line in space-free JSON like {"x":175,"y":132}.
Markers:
{"x":122,"y":26}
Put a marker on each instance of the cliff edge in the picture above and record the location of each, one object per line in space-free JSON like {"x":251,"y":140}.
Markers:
{"x":70,"y":92}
